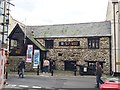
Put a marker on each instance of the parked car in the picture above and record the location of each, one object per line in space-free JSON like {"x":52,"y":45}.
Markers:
{"x":111,"y":84}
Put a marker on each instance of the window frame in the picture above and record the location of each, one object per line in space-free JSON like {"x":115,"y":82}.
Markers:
{"x":93,"y":42}
{"x":49,"y":44}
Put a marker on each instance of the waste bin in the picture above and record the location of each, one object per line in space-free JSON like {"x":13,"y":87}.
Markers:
{"x":90,"y":67}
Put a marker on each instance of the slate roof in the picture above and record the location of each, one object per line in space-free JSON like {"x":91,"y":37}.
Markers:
{"x":37,"y":43}
{"x":71,"y":30}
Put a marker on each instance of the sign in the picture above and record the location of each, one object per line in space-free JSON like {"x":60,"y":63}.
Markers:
{"x":29,"y":53}
{"x":85,"y":69}
{"x":69,"y":43}
{"x":36,"y":58}
{"x":117,"y":63}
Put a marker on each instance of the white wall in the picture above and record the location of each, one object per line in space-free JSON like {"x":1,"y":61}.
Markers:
{"x":115,"y":34}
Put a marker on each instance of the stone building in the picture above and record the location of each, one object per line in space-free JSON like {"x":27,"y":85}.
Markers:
{"x":66,"y":43}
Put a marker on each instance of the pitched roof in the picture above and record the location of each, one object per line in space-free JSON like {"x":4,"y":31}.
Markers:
{"x":39,"y":45}
{"x":71,"y":30}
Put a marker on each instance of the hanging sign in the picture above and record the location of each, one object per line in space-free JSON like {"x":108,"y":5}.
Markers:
{"x":36,"y":59}
{"x":29,"y":53}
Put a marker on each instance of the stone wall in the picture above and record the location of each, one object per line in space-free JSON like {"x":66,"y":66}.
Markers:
{"x":79,"y":53}
{"x":14,"y":61}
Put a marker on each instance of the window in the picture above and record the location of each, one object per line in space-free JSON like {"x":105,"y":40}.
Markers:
{"x":49,"y":44}
{"x":60,"y":54}
{"x":69,"y":43}
{"x":13,"y":43}
{"x":93,"y":43}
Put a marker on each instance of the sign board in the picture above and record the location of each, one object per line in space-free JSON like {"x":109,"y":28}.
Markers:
{"x":36,"y":59}
{"x":85,"y":69}
{"x":29,"y":55}
{"x":69,"y":43}
{"x":117,"y":63}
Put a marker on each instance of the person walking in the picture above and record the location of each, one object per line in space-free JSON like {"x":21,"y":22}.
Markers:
{"x":98,"y":74}
{"x":21,"y":69}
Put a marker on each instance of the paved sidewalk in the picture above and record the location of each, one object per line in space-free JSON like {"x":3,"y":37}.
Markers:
{"x":55,"y":74}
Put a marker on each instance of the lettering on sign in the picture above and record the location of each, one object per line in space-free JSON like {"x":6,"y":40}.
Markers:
{"x":69,"y":43}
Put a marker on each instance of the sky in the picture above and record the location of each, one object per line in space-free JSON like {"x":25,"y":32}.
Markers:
{"x":49,"y":12}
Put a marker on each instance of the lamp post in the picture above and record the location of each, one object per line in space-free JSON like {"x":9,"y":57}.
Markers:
{"x":114,"y":23}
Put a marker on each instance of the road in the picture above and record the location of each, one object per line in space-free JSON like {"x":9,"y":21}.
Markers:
{"x":34,"y":82}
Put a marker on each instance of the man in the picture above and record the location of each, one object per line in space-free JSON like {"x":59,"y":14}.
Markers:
{"x":98,"y":74}
{"x":22,"y":69}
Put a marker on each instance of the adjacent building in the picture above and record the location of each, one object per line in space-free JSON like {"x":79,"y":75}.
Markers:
{"x":113,"y":15}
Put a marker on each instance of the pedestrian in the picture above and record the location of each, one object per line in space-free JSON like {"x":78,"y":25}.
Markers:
{"x":21,"y":69}
{"x":98,"y":74}
{"x":46,"y":65}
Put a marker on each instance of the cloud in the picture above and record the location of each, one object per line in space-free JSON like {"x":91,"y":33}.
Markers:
{"x":59,"y":11}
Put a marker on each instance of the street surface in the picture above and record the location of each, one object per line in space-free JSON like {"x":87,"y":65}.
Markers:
{"x":34,"y":82}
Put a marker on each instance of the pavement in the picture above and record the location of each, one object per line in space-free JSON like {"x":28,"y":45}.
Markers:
{"x":55,"y":74}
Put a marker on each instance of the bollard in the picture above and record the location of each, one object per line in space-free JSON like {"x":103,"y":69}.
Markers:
{"x":75,"y":73}
{"x":75,"y":69}
{"x":6,"y":75}
{"x":38,"y":70}
{"x":51,"y":72}
{"x":52,"y":69}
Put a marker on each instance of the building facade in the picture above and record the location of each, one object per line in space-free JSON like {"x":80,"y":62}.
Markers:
{"x":70,"y":43}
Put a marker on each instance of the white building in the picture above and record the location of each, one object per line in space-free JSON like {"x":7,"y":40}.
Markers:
{"x":113,"y":14}
{"x":11,"y":22}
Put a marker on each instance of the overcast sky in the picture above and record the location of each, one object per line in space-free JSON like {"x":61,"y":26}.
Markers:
{"x":47,"y":12}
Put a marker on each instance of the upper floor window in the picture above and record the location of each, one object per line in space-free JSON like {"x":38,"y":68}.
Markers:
{"x":49,"y":44}
{"x":93,"y":43}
